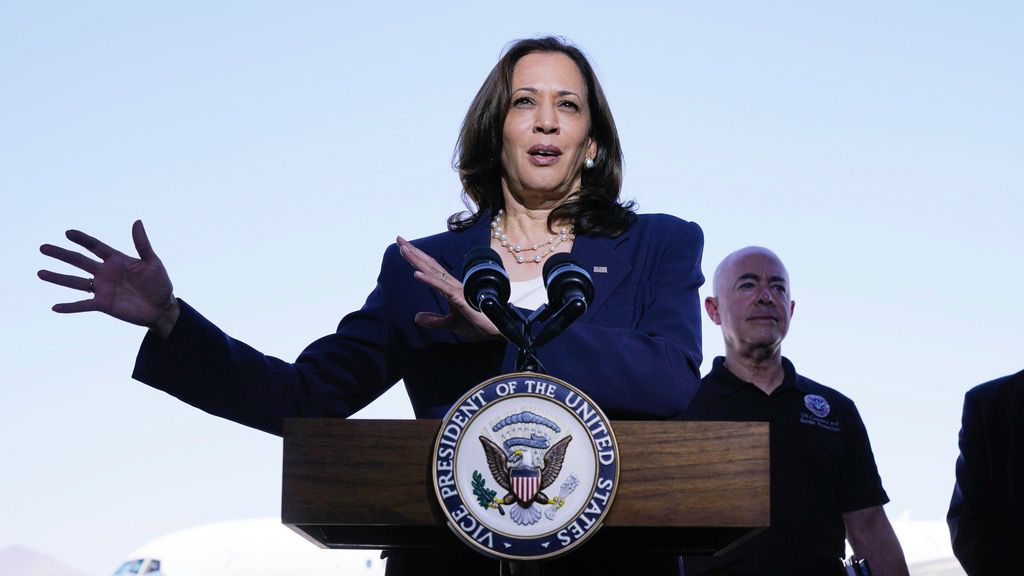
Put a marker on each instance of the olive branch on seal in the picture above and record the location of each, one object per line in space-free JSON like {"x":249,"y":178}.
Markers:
{"x":484,"y":495}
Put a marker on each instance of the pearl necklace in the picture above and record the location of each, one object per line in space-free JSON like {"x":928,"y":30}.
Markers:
{"x":544,"y":249}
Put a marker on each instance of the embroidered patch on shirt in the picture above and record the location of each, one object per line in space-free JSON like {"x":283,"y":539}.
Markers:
{"x":817,"y":405}
{"x":819,"y":409}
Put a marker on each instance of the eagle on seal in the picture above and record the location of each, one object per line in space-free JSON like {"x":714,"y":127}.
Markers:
{"x":520,"y":464}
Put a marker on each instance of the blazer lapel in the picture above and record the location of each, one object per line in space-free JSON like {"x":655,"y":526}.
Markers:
{"x":600,"y":258}
{"x":461,"y":242}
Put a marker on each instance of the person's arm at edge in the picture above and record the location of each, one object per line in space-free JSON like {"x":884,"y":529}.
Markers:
{"x":872,"y":537}
{"x":969,"y":533}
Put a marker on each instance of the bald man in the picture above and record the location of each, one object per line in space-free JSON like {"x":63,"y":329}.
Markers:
{"x":824,"y":483}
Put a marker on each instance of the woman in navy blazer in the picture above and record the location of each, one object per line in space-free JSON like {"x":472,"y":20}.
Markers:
{"x":540,"y":162}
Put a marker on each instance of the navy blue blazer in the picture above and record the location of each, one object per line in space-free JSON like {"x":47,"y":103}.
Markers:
{"x":636,"y":351}
{"x":986,"y":514}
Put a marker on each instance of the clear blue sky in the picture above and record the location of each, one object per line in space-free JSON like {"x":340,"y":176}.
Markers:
{"x":275,"y":149}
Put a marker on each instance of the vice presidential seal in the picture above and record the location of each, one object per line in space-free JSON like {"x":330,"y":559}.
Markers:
{"x":525,"y":467}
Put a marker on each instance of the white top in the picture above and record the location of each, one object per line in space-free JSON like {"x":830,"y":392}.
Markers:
{"x":528,"y":294}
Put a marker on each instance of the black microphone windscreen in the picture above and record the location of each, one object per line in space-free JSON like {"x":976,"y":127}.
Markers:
{"x":483,"y":275}
{"x":553,"y":262}
{"x":478,"y":255}
{"x":564,"y":278}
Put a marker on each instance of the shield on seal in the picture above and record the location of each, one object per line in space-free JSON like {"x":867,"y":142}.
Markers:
{"x":525,"y":483}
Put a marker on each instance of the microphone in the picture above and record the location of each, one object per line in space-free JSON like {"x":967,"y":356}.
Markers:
{"x":484,"y":277}
{"x":566,"y":281}
{"x":570,"y":291}
{"x":486,"y":288}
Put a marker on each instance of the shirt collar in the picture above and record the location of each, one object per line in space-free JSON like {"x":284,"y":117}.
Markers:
{"x":726,"y":383}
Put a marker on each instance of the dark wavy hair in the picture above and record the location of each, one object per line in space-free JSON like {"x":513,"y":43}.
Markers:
{"x":595,"y":210}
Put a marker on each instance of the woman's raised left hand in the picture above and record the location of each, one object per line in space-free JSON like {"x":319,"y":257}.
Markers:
{"x":468,"y":324}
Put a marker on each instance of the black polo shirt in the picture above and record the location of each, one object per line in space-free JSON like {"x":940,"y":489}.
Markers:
{"x":821,"y":467}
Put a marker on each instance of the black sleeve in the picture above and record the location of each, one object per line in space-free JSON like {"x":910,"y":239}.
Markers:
{"x":860,"y":485}
{"x":975,"y":541}
{"x":334,"y":376}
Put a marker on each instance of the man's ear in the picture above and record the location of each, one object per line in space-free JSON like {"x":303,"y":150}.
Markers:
{"x":711,"y":305}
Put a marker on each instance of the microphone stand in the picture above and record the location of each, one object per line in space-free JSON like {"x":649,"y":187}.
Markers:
{"x":526,"y":360}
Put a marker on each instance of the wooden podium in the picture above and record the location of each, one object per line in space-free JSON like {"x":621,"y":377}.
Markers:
{"x":686,"y":487}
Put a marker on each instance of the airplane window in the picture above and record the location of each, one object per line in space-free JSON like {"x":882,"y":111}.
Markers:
{"x":154,"y":567}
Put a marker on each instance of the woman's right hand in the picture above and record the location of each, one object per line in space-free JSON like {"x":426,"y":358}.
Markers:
{"x":136,"y":290}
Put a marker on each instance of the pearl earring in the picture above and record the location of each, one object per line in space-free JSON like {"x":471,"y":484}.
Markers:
{"x":588,"y":163}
